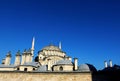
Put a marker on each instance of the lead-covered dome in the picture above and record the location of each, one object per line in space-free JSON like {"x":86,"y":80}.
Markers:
{"x":86,"y":68}
{"x":51,"y":48}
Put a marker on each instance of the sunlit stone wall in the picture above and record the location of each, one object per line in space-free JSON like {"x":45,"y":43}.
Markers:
{"x":45,"y":76}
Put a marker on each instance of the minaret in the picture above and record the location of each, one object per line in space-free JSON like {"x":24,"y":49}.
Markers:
{"x":60,"y":46}
{"x":32,"y":48}
{"x":17,"y":58}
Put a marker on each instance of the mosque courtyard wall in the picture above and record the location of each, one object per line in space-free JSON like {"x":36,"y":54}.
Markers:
{"x":45,"y":76}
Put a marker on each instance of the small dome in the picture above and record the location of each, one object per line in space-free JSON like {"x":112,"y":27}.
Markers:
{"x":86,"y":68}
{"x":42,"y":68}
{"x":51,"y":48}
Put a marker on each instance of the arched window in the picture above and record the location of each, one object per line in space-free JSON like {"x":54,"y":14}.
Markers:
{"x":61,"y":68}
{"x":18,"y":68}
{"x":33,"y":68}
{"x":25,"y":69}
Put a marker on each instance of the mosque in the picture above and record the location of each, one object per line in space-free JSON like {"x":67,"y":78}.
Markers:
{"x":49,"y":59}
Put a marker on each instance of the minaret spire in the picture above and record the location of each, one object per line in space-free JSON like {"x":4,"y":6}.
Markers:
{"x":32,"y":48}
{"x":60,"y":46}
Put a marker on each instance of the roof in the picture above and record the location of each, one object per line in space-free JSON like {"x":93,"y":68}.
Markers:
{"x":7,"y":66}
{"x":65,"y":62}
{"x":35,"y":64}
{"x":41,"y":68}
{"x":114,"y":68}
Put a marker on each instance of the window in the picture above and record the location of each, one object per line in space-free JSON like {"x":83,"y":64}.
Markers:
{"x":18,"y":68}
{"x":61,"y":68}
{"x":33,"y":68}
{"x":25,"y":69}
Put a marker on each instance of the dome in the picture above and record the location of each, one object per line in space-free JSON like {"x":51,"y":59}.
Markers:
{"x":86,"y":68}
{"x":51,"y":48}
{"x":83,"y":67}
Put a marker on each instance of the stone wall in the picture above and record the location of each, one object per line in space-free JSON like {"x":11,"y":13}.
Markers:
{"x":45,"y":76}
{"x":64,"y":68}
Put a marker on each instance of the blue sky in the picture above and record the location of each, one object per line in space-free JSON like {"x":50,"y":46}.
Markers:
{"x":88,"y":29}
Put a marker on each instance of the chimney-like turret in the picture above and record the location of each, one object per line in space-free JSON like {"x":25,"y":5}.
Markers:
{"x":29,"y":56}
{"x":17,"y":58}
{"x":105,"y":64}
{"x":75,"y":63}
{"x":3,"y":61}
{"x":69,"y":58}
{"x":110,"y":61}
{"x":24,"y":57}
{"x":8,"y":58}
